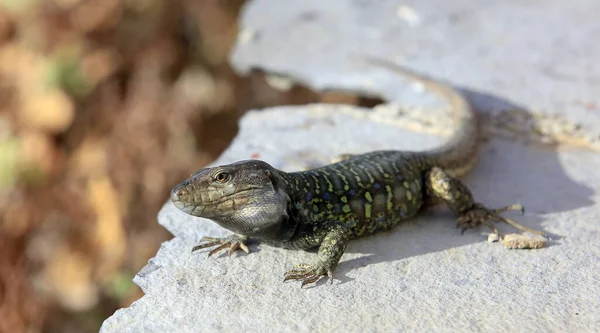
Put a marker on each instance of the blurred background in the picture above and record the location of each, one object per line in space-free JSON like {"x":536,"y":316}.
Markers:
{"x":105,"y":105}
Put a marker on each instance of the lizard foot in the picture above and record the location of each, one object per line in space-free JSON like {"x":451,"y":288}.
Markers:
{"x":479,"y":214}
{"x":308,"y":273}
{"x":233,"y":243}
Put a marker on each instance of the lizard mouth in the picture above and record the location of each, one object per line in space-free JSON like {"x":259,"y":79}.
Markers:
{"x":189,"y":207}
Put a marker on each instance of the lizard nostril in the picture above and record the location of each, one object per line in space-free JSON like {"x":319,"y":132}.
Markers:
{"x":176,"y":195}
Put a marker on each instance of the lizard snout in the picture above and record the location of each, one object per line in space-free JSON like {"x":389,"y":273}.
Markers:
{"x":176,"y":196}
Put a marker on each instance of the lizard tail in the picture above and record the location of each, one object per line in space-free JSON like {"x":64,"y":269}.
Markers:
{"x":459,"y":154}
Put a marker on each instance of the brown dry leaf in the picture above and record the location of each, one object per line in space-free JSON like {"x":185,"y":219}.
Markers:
{"x":51,"y":111}
{"x":90,"y":158}
{"x":6,"y":25}
{"x":21,"y":64}
{"x":20,"y":310}
{"x":112,"y":162}
{"x":37,"y":151}
{"x":67,"y":4}
{"x":99,"y":65}
{"x":68,"y":277}
{"x":15,"y":220}
{"x":217,"y":27}
{"x":96,"y":14}
{"x":198,"y":88}
{"x":109,"y":234}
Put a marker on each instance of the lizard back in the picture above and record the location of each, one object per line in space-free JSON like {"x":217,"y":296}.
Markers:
{"x":367,"y":192}
{"x":377,"y":190}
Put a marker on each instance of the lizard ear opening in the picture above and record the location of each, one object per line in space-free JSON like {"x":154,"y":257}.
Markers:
{"x":270,"y":176}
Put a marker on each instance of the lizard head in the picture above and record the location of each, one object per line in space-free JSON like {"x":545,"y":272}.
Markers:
{"x":244,"y":197}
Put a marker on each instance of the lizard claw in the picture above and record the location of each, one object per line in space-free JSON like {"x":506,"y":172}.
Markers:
{"x":479,"y":214}
{"x":233,"y":243}
{"x":308,"y":273}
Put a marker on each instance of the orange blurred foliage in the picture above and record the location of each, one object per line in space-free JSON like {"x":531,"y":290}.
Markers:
{"x":104,"y":105}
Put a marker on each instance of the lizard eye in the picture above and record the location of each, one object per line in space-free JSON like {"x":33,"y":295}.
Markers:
{"x":222,"y":177}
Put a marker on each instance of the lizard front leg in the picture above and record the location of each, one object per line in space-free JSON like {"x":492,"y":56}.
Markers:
{"x":333,"y":240}
{"x":455,"y":194}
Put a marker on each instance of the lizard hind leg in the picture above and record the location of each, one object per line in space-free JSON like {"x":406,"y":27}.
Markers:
{"x":441,"y":187}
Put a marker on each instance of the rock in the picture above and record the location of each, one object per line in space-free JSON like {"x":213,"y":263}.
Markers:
{"x":517,"y":241}
{"x":493,"y":237}
{"x":422,"y":275}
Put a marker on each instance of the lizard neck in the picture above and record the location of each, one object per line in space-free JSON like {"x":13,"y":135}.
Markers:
{"x":280,"y":232}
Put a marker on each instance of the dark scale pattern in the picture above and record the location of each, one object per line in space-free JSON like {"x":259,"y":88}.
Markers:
{"x":372,"y":195}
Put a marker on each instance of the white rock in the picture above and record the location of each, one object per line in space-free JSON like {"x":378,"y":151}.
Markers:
{"x":423,"y":275}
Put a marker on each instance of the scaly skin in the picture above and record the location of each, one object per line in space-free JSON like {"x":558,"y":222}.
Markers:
{"x":328,"y":206}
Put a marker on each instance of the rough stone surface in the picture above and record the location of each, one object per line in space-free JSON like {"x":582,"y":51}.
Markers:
{"x":422,"y":275}
{"x":505,"y":54}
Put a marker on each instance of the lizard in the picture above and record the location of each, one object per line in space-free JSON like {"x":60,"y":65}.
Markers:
{"x":328,"y":206}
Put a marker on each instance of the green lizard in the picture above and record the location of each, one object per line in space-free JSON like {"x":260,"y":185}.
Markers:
{"x":330,"y":205}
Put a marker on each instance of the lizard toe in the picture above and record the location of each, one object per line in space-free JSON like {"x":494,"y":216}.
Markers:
{"x":307,"y":273}
{"x":233,"y":243}
{"x":479,"y":214}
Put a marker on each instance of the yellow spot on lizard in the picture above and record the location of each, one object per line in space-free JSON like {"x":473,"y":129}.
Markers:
{"x":390,"y":197}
